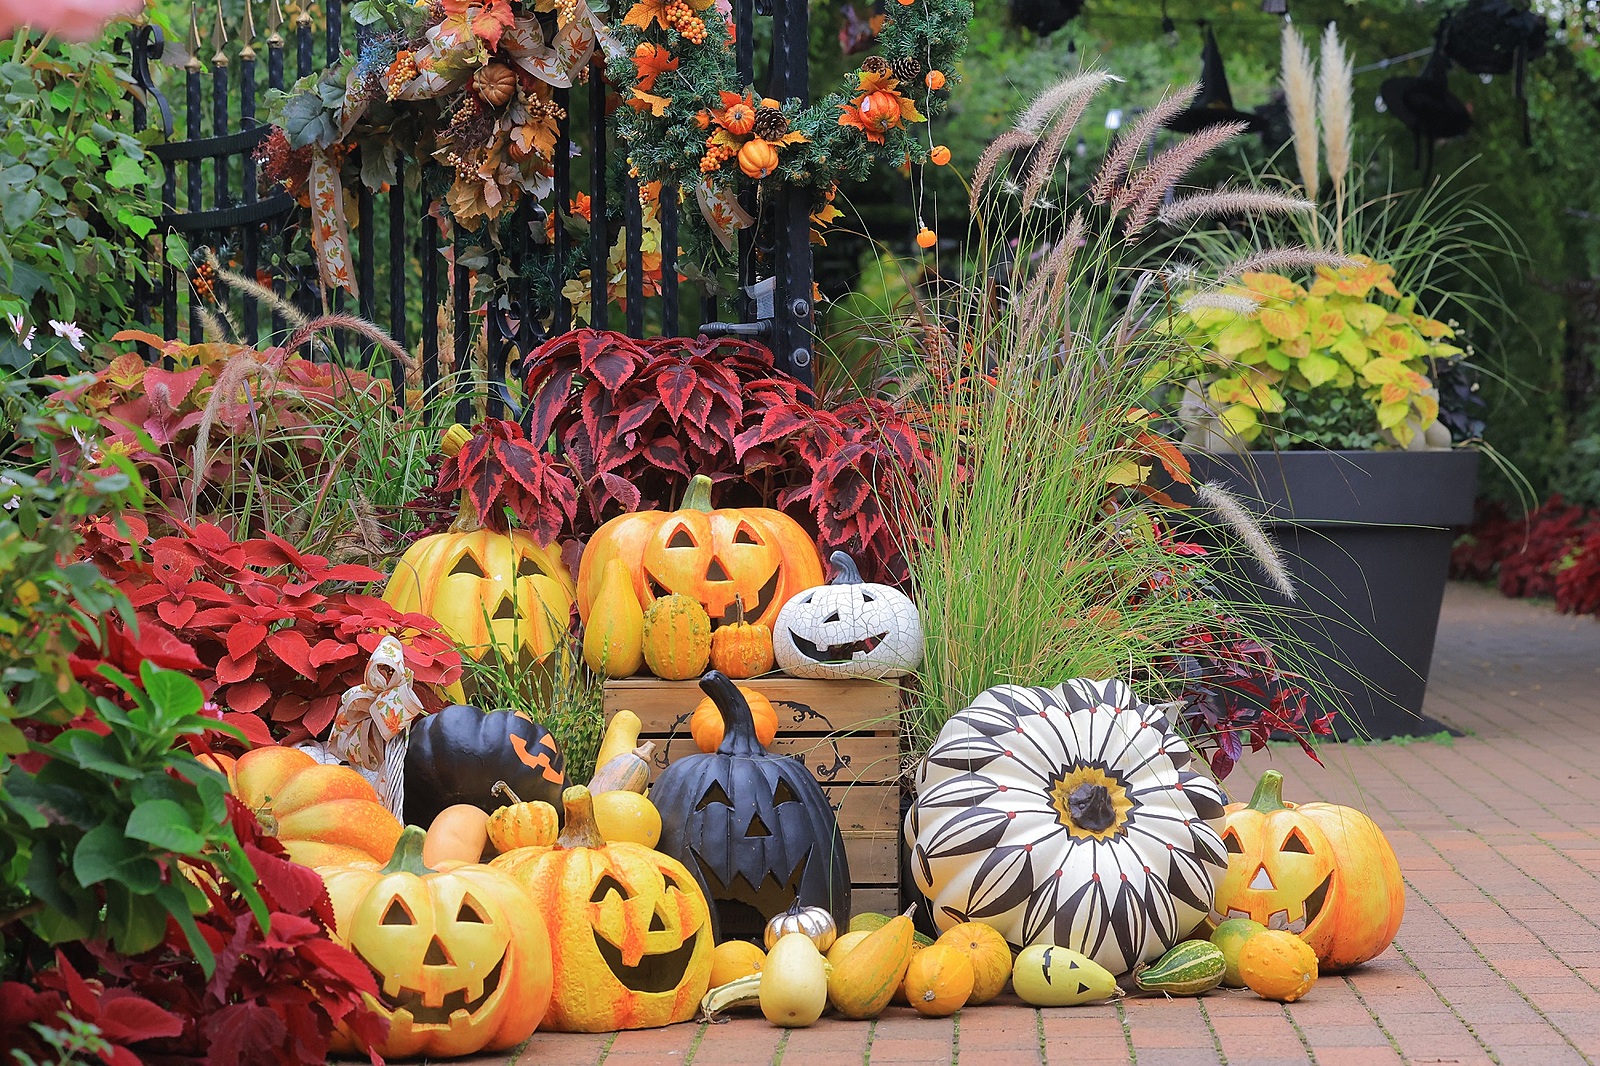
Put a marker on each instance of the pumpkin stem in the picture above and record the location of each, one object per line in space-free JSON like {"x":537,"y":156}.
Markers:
{"x":500,"y":788}
{"x":407,"y":857}
{"x":467,"y":518}
{"x":738,"y":610}
{"x":697,"y":497}
{"x":580,"y":830}
{"x":845,"y":570}
{"x":738,"y":724}
{"x":1269,"y":793}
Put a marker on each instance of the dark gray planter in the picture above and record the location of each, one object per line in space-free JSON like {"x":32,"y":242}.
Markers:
{"x":1367,"y":537}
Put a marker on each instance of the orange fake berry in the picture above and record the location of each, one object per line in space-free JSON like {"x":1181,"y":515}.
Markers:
{"x":934,"y":80}
{"x":940,"y":155}
{"x":927,"y":238}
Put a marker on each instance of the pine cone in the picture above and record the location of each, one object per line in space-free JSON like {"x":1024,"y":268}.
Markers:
{"x":875,"y":65}
{"x":906,"y":70}
{"x":770,"y":124}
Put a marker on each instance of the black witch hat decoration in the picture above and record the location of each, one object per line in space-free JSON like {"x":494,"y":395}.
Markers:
{"x":1214,"y":103}
{"x":1426,"y":105}
{"x":1044,"y":17}
{"x":1489,"y":37}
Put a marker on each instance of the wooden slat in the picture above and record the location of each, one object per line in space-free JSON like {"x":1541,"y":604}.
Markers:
{"x":874,"y":857}
{"x":861,"y":807}
{"x":847,"y":705}
{"x":878,"y":899}
{"x":867,"y":758}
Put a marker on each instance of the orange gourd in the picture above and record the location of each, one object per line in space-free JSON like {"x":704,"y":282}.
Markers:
{"x":677,"y":638}
{"x":988,"y":953}
{"x":459,"y":833}
{"x":322,"y":814}
{"x":521,"y":823}
{"x":757,"y":553}
{"x":739,"y":648}
{"x":758,"y":158}
{"x":939,"y":980}
{"x":1320,"y":870}
{"x":878,"y":109}
{"x":705,"y":724}
{"x":739,"y":119}
{"x":1278,"y":965}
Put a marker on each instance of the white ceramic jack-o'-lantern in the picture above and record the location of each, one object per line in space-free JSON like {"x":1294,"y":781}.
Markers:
{"x":848,"y":628}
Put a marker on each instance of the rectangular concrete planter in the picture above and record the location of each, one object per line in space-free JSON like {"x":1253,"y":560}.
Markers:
{"x":1367,"y":538}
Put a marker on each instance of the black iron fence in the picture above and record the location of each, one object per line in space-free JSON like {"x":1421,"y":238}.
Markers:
{"x":205,"y":95}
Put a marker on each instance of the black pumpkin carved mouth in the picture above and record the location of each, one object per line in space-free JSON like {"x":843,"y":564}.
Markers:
{"x":661,"y":972}
{"x":411,"y":1001}
{"x":743,"y":909}
{"x":837,"y":653}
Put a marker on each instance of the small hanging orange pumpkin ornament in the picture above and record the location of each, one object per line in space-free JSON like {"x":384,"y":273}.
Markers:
{"x":939,"y":156}
{"x":1319,"y":870}
{"x":934,"y":80}
{"x":739,"y":119}
{"x":927,"y":238}
{"x":879,"y":109}
{"x":739,"y":648}
{"x":758,"y":158}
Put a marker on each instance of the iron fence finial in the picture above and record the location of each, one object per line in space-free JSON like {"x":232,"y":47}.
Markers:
{"x":274,"y":22}
{"x":249,"y":50}
{"x":194,"y":37}
{"x":219,"y":41}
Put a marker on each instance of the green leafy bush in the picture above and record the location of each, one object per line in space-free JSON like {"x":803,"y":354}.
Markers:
{"x":75,"y":202}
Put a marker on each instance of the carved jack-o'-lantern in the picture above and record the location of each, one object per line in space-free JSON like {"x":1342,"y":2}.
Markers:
{"x":628,"y":924}
{"x":462,"y":963}
{"x":753,"y":827}
{"x":759,"y":554}
{"x":1320,"y":870}
{"x":490,"y":591}
{"x":848,"y":628}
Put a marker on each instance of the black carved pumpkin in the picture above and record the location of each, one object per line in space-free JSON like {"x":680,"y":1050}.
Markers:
{"x":753,"y":827}
{"x":457,"y":755}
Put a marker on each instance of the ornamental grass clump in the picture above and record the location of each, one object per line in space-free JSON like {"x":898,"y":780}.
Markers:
{"x":1047,"y":545}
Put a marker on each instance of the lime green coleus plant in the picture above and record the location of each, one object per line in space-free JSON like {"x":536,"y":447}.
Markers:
{"x":1352,"y":330}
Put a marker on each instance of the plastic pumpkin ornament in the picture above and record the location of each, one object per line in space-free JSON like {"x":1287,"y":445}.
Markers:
{"x":739,"y":119}
{"x":756,"y":553}
{"x":628,"y":924}
{"x":757,"y":158}
{"x":462,"y":962}
{"x":939,"y":156}
{"x":705,"y":724}
{"x":1319,"y":870}
{"x":322,"y":814}
{"x":879,"y":109}
{"x":739,"y":648}
{"x":934,"y":80}
{"x":926,"y":238}
{"x":848,"y":628}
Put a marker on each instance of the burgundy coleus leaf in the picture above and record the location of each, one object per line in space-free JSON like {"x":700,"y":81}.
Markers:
{"x":636,"y":414}
{"x":483,"y":489}
{"x":666,"y":453}
{"x":549,"y":399}
{"x":676,"y":385}
{"x":610,"y":358}
{"x":624,"y":492}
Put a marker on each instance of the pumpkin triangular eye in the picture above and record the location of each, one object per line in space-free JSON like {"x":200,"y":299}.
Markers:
{"x":715,"y":794}
{"x":866,"y":597}
{"x":656,"y":924}
{"x":681,"y":538}
{"x":743,"y":535}
{"x":507,"y":609}
{"x":606,"y":885}
{"x":527,"y":567}
{"x":783,"y":793}
{"x":467,"y":565}
{"x":397,"y":914}
{"x":1295,"y":842}
{"x":1230,"y":840}
{"x":469,"y":912}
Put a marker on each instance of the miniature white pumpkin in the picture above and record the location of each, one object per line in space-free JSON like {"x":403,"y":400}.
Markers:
{"x":848,"y":628}
{"x":1067,"y":816}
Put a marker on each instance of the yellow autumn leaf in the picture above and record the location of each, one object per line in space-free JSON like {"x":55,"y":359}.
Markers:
{"x":1351,"y":348}
{"x":1237,"y":336}
{"x":1391,"y":415}
{"x":1127,"y":472}
{"x":1325,"y":326}
{"x":1365,"y":316}
{"x":1431,"y":328}
{"x":1319,"y":369}
{"x":1272,"y":286}
{"x":1382,"y":371}
{"x":1427,"y":408}
{"x":1286,"y":323}
{"x":657,"y":105}
{"x":1240,"y":421}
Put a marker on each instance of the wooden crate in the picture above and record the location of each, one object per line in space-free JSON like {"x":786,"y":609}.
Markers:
{"x":848,"y":733}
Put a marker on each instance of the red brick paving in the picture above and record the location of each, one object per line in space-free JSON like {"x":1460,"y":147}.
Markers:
{"x":1498,"y":961}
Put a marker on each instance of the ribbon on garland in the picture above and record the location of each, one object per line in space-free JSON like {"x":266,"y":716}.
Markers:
{"x":369,"y":732}
{"x":330,"y":230}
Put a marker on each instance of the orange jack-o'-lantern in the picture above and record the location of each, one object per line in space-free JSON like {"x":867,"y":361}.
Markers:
{"x":1319,"y":870}
{"x":758,"y":554}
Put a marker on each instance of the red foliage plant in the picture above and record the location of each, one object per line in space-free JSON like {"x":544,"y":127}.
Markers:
{"x":274,"y":998}
{"x":499,"y":469}
{"x":269,"y":637}
{"x":1554,"y":552}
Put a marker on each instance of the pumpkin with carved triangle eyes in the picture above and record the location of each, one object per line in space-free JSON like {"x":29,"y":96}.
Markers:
{"x":490,"y":591}
{"x":461,"y":960}
{"x":628,"y":924}
{"x":758,"y":554}
{"x":753,"y":827}
{"x":458,"y":754}
{"x":1320,"y":870}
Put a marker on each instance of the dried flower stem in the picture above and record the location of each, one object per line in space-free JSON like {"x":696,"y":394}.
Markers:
{"x":1232,"y":203}
{"x":1145,"y":192}
{"x":1121,"y":158}
{"x":1250,"y":532}
{"x":1337,"y":87}
{"x":1001,"y":146}
{"x":1059,"y":95}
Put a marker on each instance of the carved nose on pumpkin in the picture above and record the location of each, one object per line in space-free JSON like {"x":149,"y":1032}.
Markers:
{"x":1262,"y":881}
{"x":437,"y":955}
{"x":716,"y":572}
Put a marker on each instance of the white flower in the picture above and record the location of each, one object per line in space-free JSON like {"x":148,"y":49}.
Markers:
{"x":25,"y":336}
{"x":13,"y":500}
{"x":70,"y":331}
{"x":89,"y":447}
{"x":16,"y":321}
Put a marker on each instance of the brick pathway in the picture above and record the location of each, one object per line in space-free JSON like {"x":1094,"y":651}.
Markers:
{"x":1498,"y":833}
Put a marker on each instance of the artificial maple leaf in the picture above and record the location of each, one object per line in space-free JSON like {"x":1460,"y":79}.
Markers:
{"x":484,"y":19}
{"x":647,"y":13}
{"x":651,"y":61}
{"x":643,"y":101}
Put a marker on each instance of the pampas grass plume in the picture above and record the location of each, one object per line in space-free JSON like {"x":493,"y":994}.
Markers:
{"x":1299,"y":82}
{"x":1249,"y":530}
{"x":1229,"y":203}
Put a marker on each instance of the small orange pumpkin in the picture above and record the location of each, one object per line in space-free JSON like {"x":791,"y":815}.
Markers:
{"x":934,"y":80}
{"x":739,"y":119}
{"x":494,"y":83}
{"x":522,"y":823}
{"x":879,"y":109}
{"x":741,"y":649}
{"x":1320,"y":870}
{"x":938,"y":981}
{"x":705,"y":725}
{"x":758,"y":158}
{"x":322,"y":814}
{"x":989,"y":954}
{"x":940,"y":155}
{"x":926,"y":238}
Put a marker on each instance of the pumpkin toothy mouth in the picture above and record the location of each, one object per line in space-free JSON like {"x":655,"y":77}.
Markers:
{"x":763,"y":602}
{"x":411,"y":1000}
{"x":661,"y":972}
{"x":837,"y":653}
{"x":1310,"y":908}
{"x":743,"y":909}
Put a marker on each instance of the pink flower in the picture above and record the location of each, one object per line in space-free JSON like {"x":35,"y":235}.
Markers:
{"x":76,"y":20}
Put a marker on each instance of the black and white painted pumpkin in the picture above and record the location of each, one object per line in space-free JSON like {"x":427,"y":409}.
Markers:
{"x":1067,"y":816}
{"x":848,"y":628}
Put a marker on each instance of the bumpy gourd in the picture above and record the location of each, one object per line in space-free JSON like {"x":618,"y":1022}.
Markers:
{"x":677,"y":638}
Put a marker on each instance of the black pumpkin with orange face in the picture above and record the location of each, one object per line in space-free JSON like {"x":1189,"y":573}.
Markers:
{"x":457,"y":755}
{"x":754,"y":828}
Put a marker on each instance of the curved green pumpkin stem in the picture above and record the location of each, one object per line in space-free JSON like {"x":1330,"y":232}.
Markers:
{"x":846,"y":571}
{"x":697,"y":497}
{"x":1269,"y":793}
{"x":407,"y":857}
{"x":467,"y":518}
{"x":738,"y":724}
{"x":580,"y":830}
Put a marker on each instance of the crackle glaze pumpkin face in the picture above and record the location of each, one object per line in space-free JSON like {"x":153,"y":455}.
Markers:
{"x":760,"y":555}
{"x":629,"y":928}
{"x":848,"y":628}
{"x":1320,"y":870}
{"x":461,"y":964}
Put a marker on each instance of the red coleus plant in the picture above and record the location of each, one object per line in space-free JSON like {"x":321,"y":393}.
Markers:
{"x":1554,"y":552}
{"x":499,"y":469}
{"x":270,"y":638}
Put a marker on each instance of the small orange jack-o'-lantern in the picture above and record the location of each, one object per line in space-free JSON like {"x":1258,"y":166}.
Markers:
{"x":1319,"y":870}
{"x":462,"y":963}
{"x":629,"y":924}
{"x":758,"y":554}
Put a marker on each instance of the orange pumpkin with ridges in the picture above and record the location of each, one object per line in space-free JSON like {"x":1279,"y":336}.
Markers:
{"x":741,"y":649}
{"x":322,"y":814}
{"x":705,"y":724}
